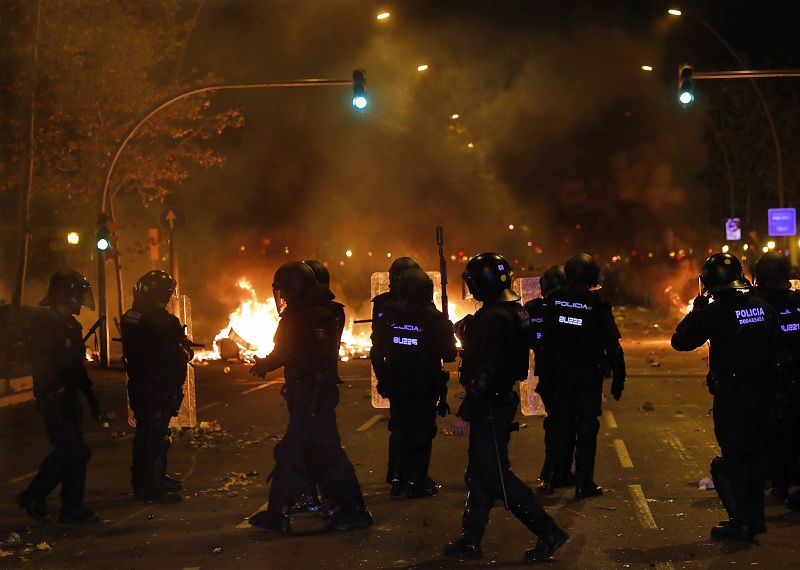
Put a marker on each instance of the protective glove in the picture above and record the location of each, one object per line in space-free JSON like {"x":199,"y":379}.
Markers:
{"x":617,"y":387}
{"x":699,"y":302}
{"x":259,"y":368}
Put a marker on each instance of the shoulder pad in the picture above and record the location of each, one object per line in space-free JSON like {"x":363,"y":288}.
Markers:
{"x":132,"y":317}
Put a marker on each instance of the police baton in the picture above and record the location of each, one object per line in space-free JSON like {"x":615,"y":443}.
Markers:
{"x":497,"y":455}
{"x":442,"y":269}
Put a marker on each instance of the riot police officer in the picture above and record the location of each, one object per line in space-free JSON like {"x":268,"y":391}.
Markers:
{"x":59,"y":375}
{"x":772,"y":272}
{"x":380,"y":303}
{"x":580,"y":345}
{"x":308,"y":499}
{"x":550,"y":281}
{"x":414,"y":338}
{"x":307,"y":347}
{"x":495,"y":356}
{"x":155,"y":354}
{"x":745,"y":350}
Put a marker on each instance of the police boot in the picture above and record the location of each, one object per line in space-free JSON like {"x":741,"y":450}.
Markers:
{"x":352,"y":514}
{"x":548,"y":483}
{"x":36,"y":508}
{"x":398,"y":485}
{"x":173,"y":485}
{"x":587,"y":491}
{"x":756,"y":528}
{"x":428,"y":488}
{"x":547,"y":545}
{"x":276,"y":523}
{"x":733,"y":531}
{"x":76,"y":514}
{"x":305,"y":501}
{"x":469,"y":545}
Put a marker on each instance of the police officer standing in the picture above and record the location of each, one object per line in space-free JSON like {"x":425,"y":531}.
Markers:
{"x":745,"y":350}
{"x":580,"y":345}
{"x":380,"y":303}
{"x":550,"y":281}
{"x":155,"y":354}
{"x":59,"y":375}
{"x":495,"y":356}
{"x":413,"y":339}
{"x":307,"y":347}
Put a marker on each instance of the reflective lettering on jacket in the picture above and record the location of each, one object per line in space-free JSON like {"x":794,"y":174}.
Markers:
{"x":570,"y":321}
{"x":573,"y":305}
{"x":750,"y":316}
{"x":405,"y":341}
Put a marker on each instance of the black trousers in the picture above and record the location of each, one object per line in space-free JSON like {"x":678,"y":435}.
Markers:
{"x":552,"y":466}
{"x":784,"y":441}
{"x":151,"y":443}
{"x":311,"y":449}
{"x":412,"y":427}
{"x":577,"y":405}
{"x":740,"y":425}
{"x":66,"y":464}
{"x":490,"y":432}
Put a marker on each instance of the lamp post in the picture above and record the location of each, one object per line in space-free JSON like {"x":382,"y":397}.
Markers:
{"x":106,"y":207}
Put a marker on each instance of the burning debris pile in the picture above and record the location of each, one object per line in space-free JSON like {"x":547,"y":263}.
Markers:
{"x":251,"y":329}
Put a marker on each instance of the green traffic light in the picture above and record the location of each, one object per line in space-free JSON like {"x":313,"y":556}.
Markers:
{"x":686,"y":97}
{"x":103,"y":244}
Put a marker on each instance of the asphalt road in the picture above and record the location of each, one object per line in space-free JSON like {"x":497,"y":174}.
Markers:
{"x":654,"y":446}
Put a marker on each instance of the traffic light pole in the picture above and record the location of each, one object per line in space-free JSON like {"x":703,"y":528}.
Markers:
{"x":105,"y":197}
{"x":102,"y":309}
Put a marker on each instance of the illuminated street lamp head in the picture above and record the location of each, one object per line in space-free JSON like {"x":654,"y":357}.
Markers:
{"x":383,"y":16}
{"x":674,"y":12}
{"x":423,"y":67}
{"x":647,"y":68}
{"x":73,"y":238}
{"x":360,"y":89}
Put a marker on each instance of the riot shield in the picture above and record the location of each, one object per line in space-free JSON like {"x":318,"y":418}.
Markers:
{"x":379,"y":283}
{"x":181,"y":307}
{"x":530,"y":402}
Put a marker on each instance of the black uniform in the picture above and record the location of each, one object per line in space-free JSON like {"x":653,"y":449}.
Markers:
{"x":155,"y":354}
{"x":784,"y":436}
{"x":409,"y":344}
{"x":494,"y":358}
{"x":537,"y":310}
{"x":59,"y":375}
{"x":307,"y":347}
{"x":580,"y":338}
{"x":745,"y":349}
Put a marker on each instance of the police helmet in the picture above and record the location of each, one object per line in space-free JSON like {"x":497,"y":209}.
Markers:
{"x":400,"y":266}
{"x":292,"y":280}
{"x":772,"y":271}
{"x":154,"y":288}
{"x":552,"y":279}
{"x":723,"y":271}
{"x":415,"y":286}
{"x":582,"y":268}
{"x":488,"y":277}
{"x":320,"y":271}
{"x":70,"y":289}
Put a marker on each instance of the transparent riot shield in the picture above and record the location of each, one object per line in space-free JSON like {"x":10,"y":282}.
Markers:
{"x":379,"y":283}
{"x":181,"y":307}
{"x":530,"y":402}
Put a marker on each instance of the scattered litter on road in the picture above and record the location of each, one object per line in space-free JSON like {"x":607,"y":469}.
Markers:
{"x":5,"y":553}
{"x":43,"y":546}
{"x":216,"y":550}
{"x":251,"y":473}
{"x":604,"y":507}
{"x":226,"y":370}
{"x":648,"y":407}
{"x":118,"y":434}
{"x":705,"y":484}
{"x":655,"y":364}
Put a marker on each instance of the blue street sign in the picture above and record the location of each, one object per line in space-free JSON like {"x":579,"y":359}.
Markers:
{"x":782,"y":222}
{"x":733,"y":229}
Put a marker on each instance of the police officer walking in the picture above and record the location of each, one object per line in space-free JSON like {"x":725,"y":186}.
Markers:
{"x":495,"y":356}
{"x":413,"y":339}
{"x":307,"y":347}
{"x":155,"y":354}
{"x":772,"y":284}
{"x":550,"y":281}
{"x":59,"y":375}
{"x":580,"y":346}
{"x":745,"y":350}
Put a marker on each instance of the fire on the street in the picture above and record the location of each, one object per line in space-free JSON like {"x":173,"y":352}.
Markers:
{"x":253,"y":324}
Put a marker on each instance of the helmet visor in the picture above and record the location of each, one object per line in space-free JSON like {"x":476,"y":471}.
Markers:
{"x":467,"y":287}
{"x":86,"y":297}
{"x":280,"y":302}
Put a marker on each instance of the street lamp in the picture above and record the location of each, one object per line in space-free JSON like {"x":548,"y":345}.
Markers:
{"x":73,"y":238}
{"x":647,"y":68}
{"x":423,"y":67}
{"x":383,"y":16}
{"x":674,"y":12}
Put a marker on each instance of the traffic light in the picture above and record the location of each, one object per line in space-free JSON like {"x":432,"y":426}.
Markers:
{"x":685,"y":84}
{"x":103,"y":239}
{"x":360,"y":89}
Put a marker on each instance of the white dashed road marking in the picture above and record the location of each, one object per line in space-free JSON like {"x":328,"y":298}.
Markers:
{"x":611,"y":421}
{"x":264,"y":385}
{"x":622,"y":454}
{"x":246,"y":522}
{"x":369,"y":423}
{"x":643,"y":512}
